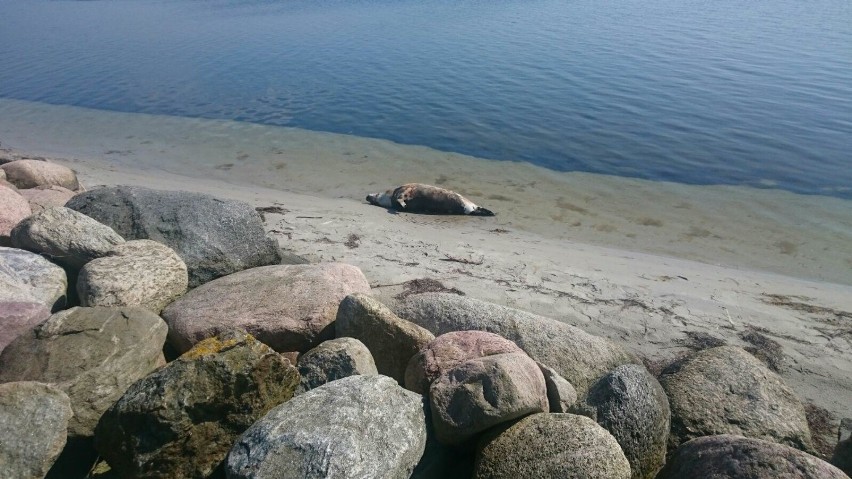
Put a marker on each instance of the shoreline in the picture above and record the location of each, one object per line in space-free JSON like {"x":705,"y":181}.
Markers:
{"x":658,"y":307}
{"x":655,"y":304}
{"x":739,"y":227}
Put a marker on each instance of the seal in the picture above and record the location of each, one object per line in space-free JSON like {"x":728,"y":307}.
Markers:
{"x":420,"y":198}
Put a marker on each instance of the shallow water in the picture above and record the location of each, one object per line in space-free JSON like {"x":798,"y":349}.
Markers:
{"x":806,"y":236}
{"x":724,"y":92}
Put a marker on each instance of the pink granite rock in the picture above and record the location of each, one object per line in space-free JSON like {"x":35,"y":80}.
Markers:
{"x":33,"y":173}
{"x":17,"y":317}
{"x":13,"y":209}
{"x":288,"y":307}
{"x":448,"y":351}
{"x":484,"y":392}
{"x":42,"y":197}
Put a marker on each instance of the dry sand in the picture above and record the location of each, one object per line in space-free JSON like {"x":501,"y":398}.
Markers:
{"x":657,"y":267}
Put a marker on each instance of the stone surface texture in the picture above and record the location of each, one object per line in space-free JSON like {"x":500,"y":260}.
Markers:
{"x":28,"y":277}
{"x":16,"y":317}
{"x":632,"y":406}
{"x":33,"y":173}
{"x":335,"y":359}
{"x":552,"y":445}
{"x":359,"y":427}
{"x":288,"y":307}
{"x":136,"y":273}
{"x":728,"y":456}
{"x":484,"y":392}
{"x":450,"y":350}
{"x":13,"y":209}
{"x":725,"y":390}
{"x":561,"y":395}
{"x":42,"y":197}
{"x":68,"y":237}
{"x":391,"y":340}
{"x":214,"y":237}
{"x":92,"y":354}
{"x":33,"y":428}
{"x":579,"y":357}
{"x":180,"y":421}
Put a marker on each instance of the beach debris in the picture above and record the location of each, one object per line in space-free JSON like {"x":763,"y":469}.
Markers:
{"x":420,"y":198}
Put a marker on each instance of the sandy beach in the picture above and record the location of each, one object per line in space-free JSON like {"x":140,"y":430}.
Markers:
{"x":656,"y":267}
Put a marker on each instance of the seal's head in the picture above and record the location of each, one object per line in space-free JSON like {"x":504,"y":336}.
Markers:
{"x":381,"y":199}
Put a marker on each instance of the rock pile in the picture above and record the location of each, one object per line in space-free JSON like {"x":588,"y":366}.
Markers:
{"x":294,"y":370}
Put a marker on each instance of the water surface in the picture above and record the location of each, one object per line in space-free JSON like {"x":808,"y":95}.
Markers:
{"x":723,"y":92}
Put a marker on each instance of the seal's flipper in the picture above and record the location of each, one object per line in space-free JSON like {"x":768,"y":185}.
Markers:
{"x":480,"y":211}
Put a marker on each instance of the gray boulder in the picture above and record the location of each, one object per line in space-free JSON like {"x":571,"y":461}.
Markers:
{"x":16,"y":317}
{"x":214,"y":237}
{"x":33,"y":427}
{"x":334,"y":359}
{"x":391,"y":340}
{"x":734,"y":457}
{"x":484,"y":392}
{"x":576,"y":355}
{"x":561,"y":395}
{"x":632,"y":406}
{"x":136,"y":273}
{"x":725,"y":390}
{"x":288,"y":307}
{"x":28,"y":277}
{"x":552,"y":445}
{"x":180,"y":421}
{"x":92,"y":354}
{"x":33,"y":173}
{"x":360,"y":426}
{"x":70,"y":238}
{"x":842,"y":456}
{"x":450,"y":350}
{"x":13,"y":209}
{"x":42,"y":197}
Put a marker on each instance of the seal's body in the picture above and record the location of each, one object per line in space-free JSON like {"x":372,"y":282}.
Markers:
{"x":420,"y":198}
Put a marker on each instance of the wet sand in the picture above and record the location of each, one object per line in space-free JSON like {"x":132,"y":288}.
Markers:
{"x":651,"y":265}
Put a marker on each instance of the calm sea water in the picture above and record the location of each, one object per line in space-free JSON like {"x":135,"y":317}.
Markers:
{"x":725,"y":91}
